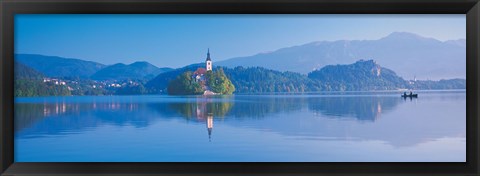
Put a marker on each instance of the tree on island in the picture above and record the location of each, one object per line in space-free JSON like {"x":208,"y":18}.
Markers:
{"x":184,"y":84}
{"x":219,"y":83}
{"x":187,"y":84}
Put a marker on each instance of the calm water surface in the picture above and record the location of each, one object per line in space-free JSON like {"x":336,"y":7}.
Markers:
{"x":330,"y":127}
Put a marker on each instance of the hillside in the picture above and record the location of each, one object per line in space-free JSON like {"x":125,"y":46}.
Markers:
{"x":258,"y":80}
{"x":362,"y":75}
{"x":54,"y":66}
{"x":136,"y":71}
{"x":24,"y":72}
{"x":29,"y":82}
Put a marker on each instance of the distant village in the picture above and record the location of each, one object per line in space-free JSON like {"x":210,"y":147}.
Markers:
{"x":108,"y":84}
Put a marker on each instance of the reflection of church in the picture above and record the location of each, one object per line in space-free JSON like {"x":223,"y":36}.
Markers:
{"x":209,"y":125}
{"x":202,"y":114}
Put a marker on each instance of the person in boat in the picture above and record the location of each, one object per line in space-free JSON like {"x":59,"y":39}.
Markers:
{"x":405,"y":94}
{"x":411,"y":93}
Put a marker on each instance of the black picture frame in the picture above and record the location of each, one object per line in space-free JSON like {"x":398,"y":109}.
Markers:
{"x":9,"y":8}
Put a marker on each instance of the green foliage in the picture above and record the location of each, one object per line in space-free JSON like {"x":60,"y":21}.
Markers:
{"x":219,"y":83}
{"x":30,"y":88}
{"x":132,"y":90}
{"x":184,"y":85}
{"x":216,"y":82}
{"x":258,"y":80}
{"x":360,"y":76}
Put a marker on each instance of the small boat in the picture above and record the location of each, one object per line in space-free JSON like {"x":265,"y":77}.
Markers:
{"x":409,"y":95}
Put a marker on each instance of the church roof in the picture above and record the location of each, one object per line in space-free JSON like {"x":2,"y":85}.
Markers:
{"x":200,"y":71}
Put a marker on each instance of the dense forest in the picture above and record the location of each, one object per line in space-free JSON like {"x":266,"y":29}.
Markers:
{"x":360,"y":76}
{"x":184,"y":84}
{"x":258,"y":80}
{"x":29,"y":82}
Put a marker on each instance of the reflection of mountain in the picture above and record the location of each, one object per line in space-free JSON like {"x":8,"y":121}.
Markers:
{"x":361,"y":108}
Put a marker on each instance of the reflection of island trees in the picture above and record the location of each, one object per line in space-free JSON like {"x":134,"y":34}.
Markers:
{"x":361,"y":108}
{"x":201,"y":108}
{"x":244,"y":107}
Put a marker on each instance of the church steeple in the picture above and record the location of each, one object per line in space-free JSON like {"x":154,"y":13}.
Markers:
{"x":208,"y":62}
{"x":208,"y":55}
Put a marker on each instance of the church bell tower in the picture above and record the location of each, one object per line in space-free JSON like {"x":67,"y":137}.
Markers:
{"x":208,"y":62}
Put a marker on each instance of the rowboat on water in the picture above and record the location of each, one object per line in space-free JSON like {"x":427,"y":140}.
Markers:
{"x":405,"y":95}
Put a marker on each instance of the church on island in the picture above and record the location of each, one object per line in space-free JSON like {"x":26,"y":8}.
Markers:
{"x":199,"y":74}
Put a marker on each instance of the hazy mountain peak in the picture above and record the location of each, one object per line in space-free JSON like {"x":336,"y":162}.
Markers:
{"x":404,"y":36}
{"x":118,"y":64}
{"x":458,"y":42}
{"x":409,"y":54}
{"x":369,"y":61}
{"x":142,"y":64}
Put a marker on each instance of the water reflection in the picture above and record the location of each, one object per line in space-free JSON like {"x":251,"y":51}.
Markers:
{"x":361,"y":108}
{"x":366,"y":127}
{"x":63,"y":115}
{"x":40,"y":117}
{"x":202,"y":110}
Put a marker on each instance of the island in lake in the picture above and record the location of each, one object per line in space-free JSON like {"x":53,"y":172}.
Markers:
{"x":203,"y":81}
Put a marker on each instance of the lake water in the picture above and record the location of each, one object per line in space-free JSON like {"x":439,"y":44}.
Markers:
{"x":325,"y":127}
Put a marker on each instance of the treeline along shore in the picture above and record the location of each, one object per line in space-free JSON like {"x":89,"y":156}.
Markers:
{"x":143,"y":78}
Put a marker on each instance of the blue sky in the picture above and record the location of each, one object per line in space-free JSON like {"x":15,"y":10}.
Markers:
{"x":179,"y":40}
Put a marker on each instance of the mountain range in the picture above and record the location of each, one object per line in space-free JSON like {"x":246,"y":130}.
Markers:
{"x":410,"y":55}
{"x":137,"y":70}
{"x":59,"y":67}
{"x":54,"y":66}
